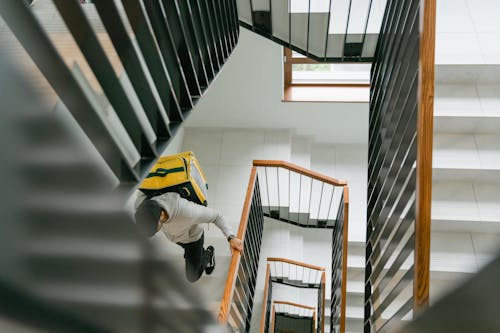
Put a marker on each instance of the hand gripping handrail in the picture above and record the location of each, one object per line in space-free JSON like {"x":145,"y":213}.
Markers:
{"x":236,"y":256}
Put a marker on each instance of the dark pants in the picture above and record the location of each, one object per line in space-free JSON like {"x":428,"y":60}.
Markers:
{"x":196,"y":258}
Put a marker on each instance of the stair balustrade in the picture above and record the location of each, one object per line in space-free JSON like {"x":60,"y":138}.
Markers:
{"x":296,"y":274}
{"x":239,"y":291}
{"x":400,"y":167}
{"x":299,"y":196}
{"x":269,"y":193}
{"x":125,"y":75}
{"x":325,"y":30}
{"x":295,"y":314}
{"x":166,"y":48}
{"x":305,"y":198}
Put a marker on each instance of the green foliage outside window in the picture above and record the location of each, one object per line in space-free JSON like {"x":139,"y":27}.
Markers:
{"x":312,"y":67}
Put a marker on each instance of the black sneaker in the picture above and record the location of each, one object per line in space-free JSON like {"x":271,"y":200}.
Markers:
{"x":211,"y":265}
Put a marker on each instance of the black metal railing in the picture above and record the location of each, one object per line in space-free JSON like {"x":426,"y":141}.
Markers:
{"x":469,"y":307}
{"x":237,"y":302}
{"x":296,"y":274}
{"x":288,"y":316}
{"x":124,"y":74}
{"x":400,"y":121}
{"x":323,"y":30}
{"x":181,"y":45}
{"x":298,"y":196}
{"x":339,"y":274}
{"x":71,"y":257}
{"x":288,"y":192}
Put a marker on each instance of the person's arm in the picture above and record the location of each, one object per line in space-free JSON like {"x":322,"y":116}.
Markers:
{"x":234,"y":242}
{"x":209,"y":215}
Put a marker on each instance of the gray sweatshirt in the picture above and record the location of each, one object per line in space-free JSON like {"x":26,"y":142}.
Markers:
{"x":185,"y":217}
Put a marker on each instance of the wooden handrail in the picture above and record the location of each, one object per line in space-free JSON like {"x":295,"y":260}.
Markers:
{"x":295,"y":304}
{"x":344,"y":259}
{"x":297,"y":263}
{"x":423,"y":199}
{"x":299,"y":170}
{"x":264,"y":300}
{"x":236,"y":256}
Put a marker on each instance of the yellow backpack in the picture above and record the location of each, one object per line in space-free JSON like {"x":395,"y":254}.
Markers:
{"x":179,"y":173}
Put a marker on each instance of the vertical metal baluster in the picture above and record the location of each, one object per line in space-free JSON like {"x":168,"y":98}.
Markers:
{"x":308,"y":27}
{"x":251,"y":12}
{"x":267,"y":188}
{"x":330,"y":206}
{"x":289,"y":190}
{"x":278,"y":182}
{"x":289,"y":23}
{"x":320,"y":198}
{"x":271,"y":18}
{"x":328,"y":28}
{"x":310,"y":197}
{"x":300,"y":194}
{"x":366,"y":28}
{"x":346,"y":28}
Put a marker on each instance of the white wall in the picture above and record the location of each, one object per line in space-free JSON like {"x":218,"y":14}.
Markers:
{"x":247,"y":93}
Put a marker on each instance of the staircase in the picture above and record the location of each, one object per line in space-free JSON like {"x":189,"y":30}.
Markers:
{"x":322,"y":30}
{"x":466,"y":174}
{"x":226,"y":155}
{"x":288,"y":316}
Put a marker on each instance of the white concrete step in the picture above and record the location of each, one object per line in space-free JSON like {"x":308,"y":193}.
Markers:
{"x":466,"y":151}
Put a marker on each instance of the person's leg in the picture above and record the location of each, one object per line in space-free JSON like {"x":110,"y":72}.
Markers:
{"x":196,"y":259}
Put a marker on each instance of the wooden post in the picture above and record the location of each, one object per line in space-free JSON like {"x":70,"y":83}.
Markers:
{"x":345,"y":244}
{"x":424,"y":154}
{"x":264,"y":301}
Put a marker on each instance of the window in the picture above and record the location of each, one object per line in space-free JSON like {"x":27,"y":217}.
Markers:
{"x":308,"y":80}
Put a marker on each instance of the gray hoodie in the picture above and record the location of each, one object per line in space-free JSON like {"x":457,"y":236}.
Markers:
{"x":185,"y":217}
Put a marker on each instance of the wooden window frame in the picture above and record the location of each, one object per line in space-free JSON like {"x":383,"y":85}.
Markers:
{"x":288,"y":85}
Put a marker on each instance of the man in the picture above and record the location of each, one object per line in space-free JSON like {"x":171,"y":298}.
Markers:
{"x":180,"y":220}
